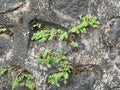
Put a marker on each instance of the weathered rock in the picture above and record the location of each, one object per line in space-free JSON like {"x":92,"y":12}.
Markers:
{"x":8,"y":5}
{"x":100,"y":47}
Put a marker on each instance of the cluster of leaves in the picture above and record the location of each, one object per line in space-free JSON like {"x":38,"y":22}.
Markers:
{"x":47,"y":58}
{"x":55,"y":78}
{"x":74,"y":44}
{"x":22,"y":78}
{"x":88,"y":20}
{"x":5,"y":69}
{"x":63,"y":66}
{"x":62,"y":75}
{"x":26,"y":79}
{"x":44,"y":35}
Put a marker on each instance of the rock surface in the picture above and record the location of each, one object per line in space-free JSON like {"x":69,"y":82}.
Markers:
{"x":100,"y":48}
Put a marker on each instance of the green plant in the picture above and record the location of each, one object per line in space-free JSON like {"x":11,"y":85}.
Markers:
{"x":47,"y":58}
{"x":2,"y":30}
{"x":55,"y":78}
{"x":65,"y":66}
{"x":22,"y":78}
{"x":63,"y":35}
{"x":74,"y":44}
{"x":26,"y":79}
{"x":44,"y":35}
{"x":5,"y":69}
{"x":88,"y":20}
{"x":60,"y":61}
{"x":63,"y":73}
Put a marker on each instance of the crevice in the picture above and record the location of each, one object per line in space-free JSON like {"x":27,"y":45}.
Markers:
{"x":7,"y":11}
{"x":43,"y":24}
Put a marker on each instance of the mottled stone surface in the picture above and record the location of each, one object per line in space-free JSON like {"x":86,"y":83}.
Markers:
{"x":99,"y":51}
{"x":9,"y":5}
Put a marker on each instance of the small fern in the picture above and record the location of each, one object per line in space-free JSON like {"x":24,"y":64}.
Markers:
{"x":46,"y":58}
{"x":88,"y":20}
{"x":63,"y":66}
{"x":44,"y":35}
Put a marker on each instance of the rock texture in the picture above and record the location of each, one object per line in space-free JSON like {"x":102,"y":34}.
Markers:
{"x":99,"y":51}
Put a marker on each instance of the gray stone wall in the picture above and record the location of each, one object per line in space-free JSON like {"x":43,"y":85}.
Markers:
{"x":99,"y":51}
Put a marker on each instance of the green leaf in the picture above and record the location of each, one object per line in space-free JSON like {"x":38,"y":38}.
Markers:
{"x":81,"y":17}
{"x":48,"y":65}
{"x":74,"y":30}
{"x":5,"y":69}
{"x":45,"y":53}
{"x":40,"y":60}
{"x":66,"y":75}
{"x":63,"y":36}
{"x":74,"y":44}
{"x":30,"y":77}
{"x":57,"y":84}
{"x":30,"y":85}
{"x":43,"y":40}
{"x":83,"y":30}
{"x":53,"y":33}
{"x":95,"y":26}
{"x":42,"y":35}
{"x":15,"y":84}
{"x":83,"y":25}
{"x":2,"y":71}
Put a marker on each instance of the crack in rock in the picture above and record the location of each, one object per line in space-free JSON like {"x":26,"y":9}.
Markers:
{"x":9,"y":5}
